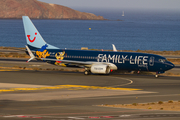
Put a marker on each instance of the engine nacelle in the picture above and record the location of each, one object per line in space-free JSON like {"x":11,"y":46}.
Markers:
{"x":100,"y":69}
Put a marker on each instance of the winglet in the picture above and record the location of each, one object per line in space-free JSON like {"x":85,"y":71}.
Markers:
{"x":30,"y":53}
{"x":114,"y":48}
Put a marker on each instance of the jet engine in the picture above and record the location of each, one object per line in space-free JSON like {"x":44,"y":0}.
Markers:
{"x":100,"y":69}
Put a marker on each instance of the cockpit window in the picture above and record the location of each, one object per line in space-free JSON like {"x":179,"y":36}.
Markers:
{"x":162,"y":60}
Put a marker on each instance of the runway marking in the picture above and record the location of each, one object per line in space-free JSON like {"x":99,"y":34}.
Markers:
{"x":55,"y":114}
{"x":22,"y":116}
{"x":8,"y":70}
{"x":69,"y":87}
{"x":95,"y":87}
{"x":122,"y":116}
{"x":130,"y":81}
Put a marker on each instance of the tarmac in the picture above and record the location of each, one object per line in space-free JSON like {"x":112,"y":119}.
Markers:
{"x":80,"y":94}
{"x":70,"y":95}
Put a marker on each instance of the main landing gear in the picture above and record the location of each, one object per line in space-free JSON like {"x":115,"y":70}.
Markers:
{"x":87,"y":71}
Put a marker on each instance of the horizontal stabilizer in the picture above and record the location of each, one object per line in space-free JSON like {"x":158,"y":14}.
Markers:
{"x":30,"y":53}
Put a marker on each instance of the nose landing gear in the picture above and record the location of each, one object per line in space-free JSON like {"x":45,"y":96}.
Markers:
{"x":156,"y":76}
{"x":158,"y":72}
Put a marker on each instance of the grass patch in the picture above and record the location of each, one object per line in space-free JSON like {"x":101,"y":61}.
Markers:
{"x":169,"y":105}
{"x":170,"y":101}
{"x":160,"y":102}
{"x":135,"y":104}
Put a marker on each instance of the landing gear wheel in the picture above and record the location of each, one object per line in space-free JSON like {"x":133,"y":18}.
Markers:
{"x":156,"y":75}
{"x":86,"y":72}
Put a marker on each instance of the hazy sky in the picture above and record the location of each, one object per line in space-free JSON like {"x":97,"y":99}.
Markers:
{"x":119,"y":4}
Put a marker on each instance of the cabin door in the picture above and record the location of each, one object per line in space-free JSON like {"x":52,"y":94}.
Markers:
{"x":151,"y":61}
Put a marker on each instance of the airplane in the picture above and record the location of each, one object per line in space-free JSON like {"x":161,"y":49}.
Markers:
{"x":96,"y":62}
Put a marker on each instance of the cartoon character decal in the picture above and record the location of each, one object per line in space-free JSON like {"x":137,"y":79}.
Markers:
{"x":30,"y":38}
{"x":60,"y":56}
{"x":42,"y":53}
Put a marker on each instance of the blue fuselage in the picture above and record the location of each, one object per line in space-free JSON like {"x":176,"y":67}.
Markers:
{"x":130,"y":61}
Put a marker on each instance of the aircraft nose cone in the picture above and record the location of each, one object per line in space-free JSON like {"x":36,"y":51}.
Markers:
{"x":170,"y":65}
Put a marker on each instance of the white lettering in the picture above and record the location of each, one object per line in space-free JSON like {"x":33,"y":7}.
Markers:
{"x":135,"y":60}
{"x":116,"y":58}
{"x":131,"y":60}
{"x":99,"y":57}
{"x":139,"y":60}
{"x":124,"y":58}
{"x":111,"y":58}
{"x":104,"y":58}
{"x":119,"y":57}
{"x":145,"y":60}
{"x":98,"y":68}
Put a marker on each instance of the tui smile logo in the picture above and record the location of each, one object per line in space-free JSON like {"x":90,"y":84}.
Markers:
{"x":30,"y":39}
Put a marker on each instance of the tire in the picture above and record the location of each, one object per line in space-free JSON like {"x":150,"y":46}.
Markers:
{"x":156,"y":76}
{"x":86,"y":72}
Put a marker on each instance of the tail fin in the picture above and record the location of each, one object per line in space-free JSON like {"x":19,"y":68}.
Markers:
{"x":33,"y":37}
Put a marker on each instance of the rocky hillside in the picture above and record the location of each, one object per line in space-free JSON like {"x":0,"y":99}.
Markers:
{"x":40,"y":10}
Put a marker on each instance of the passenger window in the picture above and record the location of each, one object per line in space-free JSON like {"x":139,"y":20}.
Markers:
{"x":162,"y":60}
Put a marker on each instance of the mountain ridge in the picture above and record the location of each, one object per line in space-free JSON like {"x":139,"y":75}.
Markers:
{"x":15,"y":9}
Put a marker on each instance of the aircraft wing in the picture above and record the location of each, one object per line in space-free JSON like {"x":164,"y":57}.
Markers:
{"x":70,"y":61}
{"x":79,"y":63}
